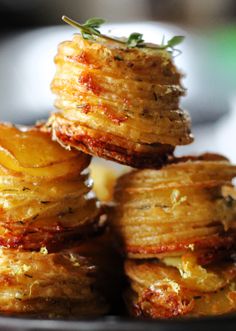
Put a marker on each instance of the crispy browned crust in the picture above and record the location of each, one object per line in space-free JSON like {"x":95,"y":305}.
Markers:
{"x":157,"y":291}
{"x":54,"y":238}
{"x":150,"y":305}
{"x":226,"y":241}
{"x":108,"y":146}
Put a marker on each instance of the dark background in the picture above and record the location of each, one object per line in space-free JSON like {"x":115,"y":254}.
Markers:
{"x":35,"y":13}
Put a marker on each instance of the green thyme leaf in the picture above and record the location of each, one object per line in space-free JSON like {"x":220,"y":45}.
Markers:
{"x":87,"y":36}
{"x":89,"y":30}
{"x":135,"y":40}
{"x":176,"y":40}
{"x":91,"y":27}
{"x":94,"y":22}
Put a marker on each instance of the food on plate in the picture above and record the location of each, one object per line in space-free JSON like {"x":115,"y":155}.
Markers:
{"x":177,"y":228}
{"x":174,"y":220}
{"x":118,"y":99}
{"x":54,"y":255}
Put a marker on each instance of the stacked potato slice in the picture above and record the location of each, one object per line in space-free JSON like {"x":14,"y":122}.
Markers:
{"x":46,"y":209}
{"x":178,"y":227}
{"x":118,"y":103}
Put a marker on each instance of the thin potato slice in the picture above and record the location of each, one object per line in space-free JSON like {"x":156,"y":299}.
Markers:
{"x":32,"y":153}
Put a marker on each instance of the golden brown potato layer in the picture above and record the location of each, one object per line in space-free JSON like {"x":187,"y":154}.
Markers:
{"x":45,"y":194}
{"x":90,"y":141}
{"x":63,"y":284}
{"x":161,"y":291}
{"x":32,"y":153}
{"x":179,"y":207}
{"x":130,"y":96}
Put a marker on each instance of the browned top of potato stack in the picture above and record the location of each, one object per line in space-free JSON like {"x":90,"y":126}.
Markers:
{"x":184,"y":206}
{"x":118,"y":103}
{"x":45,"y":195}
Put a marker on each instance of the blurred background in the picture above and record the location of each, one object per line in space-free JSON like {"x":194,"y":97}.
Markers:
{"x":31,"y":29}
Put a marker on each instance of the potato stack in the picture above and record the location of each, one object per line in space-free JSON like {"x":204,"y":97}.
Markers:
{"x":177,"y":228}
{"x":47,"y":210}
{"x":118,"y":103}
{"x":176,"y":225}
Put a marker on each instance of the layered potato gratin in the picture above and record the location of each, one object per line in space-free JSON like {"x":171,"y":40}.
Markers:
{"x":47,"y":209}
{"x":179,"y":224}
{"x":173,"y":220}
{"x":117,"y":102}
{"x":45,"y":198}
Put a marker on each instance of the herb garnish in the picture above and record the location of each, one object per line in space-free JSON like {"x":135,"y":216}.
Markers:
{"x":135,"y":40}
{"x":89,"y":30}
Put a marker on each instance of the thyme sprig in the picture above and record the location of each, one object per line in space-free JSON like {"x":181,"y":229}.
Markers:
{"x":89,"y":30}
